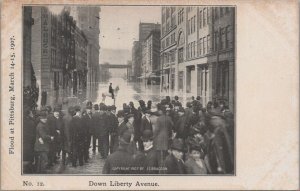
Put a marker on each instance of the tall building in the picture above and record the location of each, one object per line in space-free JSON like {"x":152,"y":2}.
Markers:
{"x":58,"y":55}
{"x":137,"y":60}
{"x":137,"y":49}
{"x":146,"y":28}
{"x":151,"y":58}
{"x":197,"y":52}
{"x":88,"y":20}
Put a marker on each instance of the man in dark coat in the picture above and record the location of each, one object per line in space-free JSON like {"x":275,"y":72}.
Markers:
{"x":77,"y":137}
{"x":111,"y":91}
{"x":66,"y":134}
{"x":121,"y":161}
{"x":95,"y":126}
{"x":162,"y":134}
{"x":55,"y":124}
{"x":42,"y":141}
{"x":137,"y":124}
{"x":174,"y":163}
{"x":87,"y":122}
{"x":103,"y":132}
{"x":180,"y":127}
{"x":29,"y":130}
{"x":148,"y":160}
{"x":113,"y":127}
{"x":220,"y":151}
{"x":146,"y":123}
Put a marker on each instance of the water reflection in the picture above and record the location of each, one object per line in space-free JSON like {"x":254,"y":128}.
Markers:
{"x":129,"y":92}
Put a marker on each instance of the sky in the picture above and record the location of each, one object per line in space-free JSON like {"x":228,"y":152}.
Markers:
{"x":119,"y":25}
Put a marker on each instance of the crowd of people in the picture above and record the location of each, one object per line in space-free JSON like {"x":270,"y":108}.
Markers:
{"x":167,"y":138}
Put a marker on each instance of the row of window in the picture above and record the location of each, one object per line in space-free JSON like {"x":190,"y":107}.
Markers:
{"x":221,"y":40}
{"x":191,"y":25}
{"x":180,"y":16}
{"x":168,"y":42}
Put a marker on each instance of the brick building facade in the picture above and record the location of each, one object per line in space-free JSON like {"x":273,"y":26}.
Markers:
{"x":198,"y":51}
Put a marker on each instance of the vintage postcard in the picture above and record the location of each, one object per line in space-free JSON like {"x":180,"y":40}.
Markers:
{"x":149,"y":95}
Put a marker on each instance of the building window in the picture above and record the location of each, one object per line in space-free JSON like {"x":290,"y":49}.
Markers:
{"x":216,"y":41}
{"x":227,"y":36}
{"x":204,"y":45}
{"x":191,"y":49}
{"x":194,"y":49}
{"x":221,"y":11}
{"x":208,"y":15}
{"x":200,"y":48}
{"x":188,"y":51}
{"x":173,"y":38}
{"x":180,"y":80}
{"x":216,"y":13}
{"x":208,"y":44}
{"x":168,"y":42}
{"x":188,"y":27}
{"x":204,"y":16}
{"x":200,"y":19}
{"x":180,"y":55}
{"x":194,"y":23}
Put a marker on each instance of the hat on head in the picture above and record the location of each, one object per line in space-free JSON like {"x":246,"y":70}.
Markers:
{"x":126,"y":109}
{"x":147,"y":135}
{"x":96,"y":107}
{"x":108,"y":108}
{"x":49,"y":108}
{"x":131,"y":104}
{"x":113,"y":107}
{"x":177,"y":144}
{"x":77,"y":108}
{"x":71,"y":110}
{"x":102,"y":107}
{"x":194,"y":144}
{"x":43,"y":114}
{"x":57,"y":108}
{"x":129,"y":115}
{"x":142,"y":103}
{"x":125,"y":138}
{"x":120,"y":113}
{"x":89,"y":105}
{"x":181,"y":109}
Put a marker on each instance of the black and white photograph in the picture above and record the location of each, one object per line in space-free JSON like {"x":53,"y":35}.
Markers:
{"x":112,"y":90}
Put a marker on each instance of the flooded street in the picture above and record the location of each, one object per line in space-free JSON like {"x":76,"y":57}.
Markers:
{"x":129,"y":92}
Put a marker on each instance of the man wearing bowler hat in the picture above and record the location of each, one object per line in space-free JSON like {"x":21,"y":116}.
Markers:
{"x":121,"y":161}
{"x":95,"y":126}
{"x":174,"y":161}
{"x":87,"y":122}
{"x":77,"y":137}
{"x":149,"y":158}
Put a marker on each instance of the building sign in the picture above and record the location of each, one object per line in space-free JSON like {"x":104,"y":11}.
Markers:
{"x":45,"y":33}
